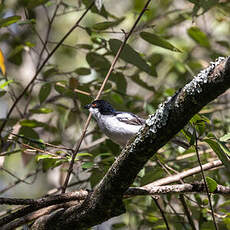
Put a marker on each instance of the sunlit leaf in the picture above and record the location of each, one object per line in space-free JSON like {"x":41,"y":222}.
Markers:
{"x":158,"y":41}
{"x":198,"y":36}
{"x":9,"y":20}
{"x":5,"y":83}
{"x":2,"y":63}
{"x":43,"y":156}
{"x":87,"y":165}
{"x":41,"y":110}
{"x":226,"y":137}
{"x":84,"y":155}
{"x":212,"y":185}
{"x":27,"y":21}
{"x":31,"y":123}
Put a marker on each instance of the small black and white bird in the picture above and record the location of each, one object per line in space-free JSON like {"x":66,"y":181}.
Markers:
{"x":118,"y":126}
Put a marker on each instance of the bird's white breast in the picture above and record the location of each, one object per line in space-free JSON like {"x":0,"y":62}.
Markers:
{"x":119,"y":132}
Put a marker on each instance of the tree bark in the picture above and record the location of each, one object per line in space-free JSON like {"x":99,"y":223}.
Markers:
{"x":106,"y":200}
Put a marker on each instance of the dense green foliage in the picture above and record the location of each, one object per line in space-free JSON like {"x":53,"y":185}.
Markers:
{"x":173,"y":41}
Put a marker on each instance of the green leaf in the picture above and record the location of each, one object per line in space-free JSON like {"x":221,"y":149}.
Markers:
{"x":225,"y":138}
{"x":158,"y":41}
{"x":28,"y":132}
{"x":31,"y":123}
{"x":84,"y":46}
{"x":27,"y":21}
{"x":131,"y":56}
{"x":103,"y":25}
{"x":48,"y":163}
{"x":97,"y":61}
{"x":198,"y":36}
{"x":84,"y":155}
{"x":200,"y":123}
{"x":107,"y":24}
{"x":44,"y":92}
{"x":15,"y":56}
{"x":120,"y":81}
{"x":83,"y":71}
{"x":9,"y":20}
{"x":42,"y":156}
{"x":212,"y":185}
{"x":64,"y":91}
{"x":5,"y":83}
{"x":41,"y":110}
{"x":224,"y":147}
{"x":87,"y":165}
{"x":2,"y":93}
{"x":50,"y":72}
{"x":220,"y":153}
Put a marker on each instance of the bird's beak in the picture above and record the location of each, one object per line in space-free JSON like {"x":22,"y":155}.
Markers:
{"x":87,"y":106}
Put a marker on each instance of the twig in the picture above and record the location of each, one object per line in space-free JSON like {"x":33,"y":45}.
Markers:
{"x":99,"y":94}
{"x":81,"y":195}
{"x":187,"y":211}
{"x":205,"y":183}
{"x":184,"y":174}
{"x":162,"y":213}
{"x":18,"y":181}
{"x":181,"y":196}
{"x":41,"y":67}
{"x":13,"y":175}
{"x":38,"y":204}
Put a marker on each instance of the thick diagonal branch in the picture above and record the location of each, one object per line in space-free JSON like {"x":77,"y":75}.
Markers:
{"x":171,"y":116}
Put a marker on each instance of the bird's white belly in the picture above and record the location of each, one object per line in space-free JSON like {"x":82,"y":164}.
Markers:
{"x":119,"y":132}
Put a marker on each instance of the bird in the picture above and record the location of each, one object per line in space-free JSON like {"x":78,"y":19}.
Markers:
{"x":118,"y":126}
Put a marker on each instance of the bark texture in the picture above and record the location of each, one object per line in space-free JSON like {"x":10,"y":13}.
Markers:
{"x":106,"y":200}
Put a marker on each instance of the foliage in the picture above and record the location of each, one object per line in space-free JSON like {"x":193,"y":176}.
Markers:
{"x":172,"y":42}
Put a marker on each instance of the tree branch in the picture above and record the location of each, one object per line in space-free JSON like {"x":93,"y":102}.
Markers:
{"x":44,"y":205}
{"x":172,"y":115}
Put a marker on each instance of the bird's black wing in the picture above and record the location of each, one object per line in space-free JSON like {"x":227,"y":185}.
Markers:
{"x":129,"y":118}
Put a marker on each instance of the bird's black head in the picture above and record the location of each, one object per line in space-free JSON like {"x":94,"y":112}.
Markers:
{"x":103,"y":106}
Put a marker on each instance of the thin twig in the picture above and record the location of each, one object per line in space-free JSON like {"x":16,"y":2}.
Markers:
{"x":162,"y":213}
{"x":13,"y":175}
{"x":79,"y":196}
{"x":187,"y":211}
{"x":184,"y":174}
{"x":205,"y":183}
{"x":18,"y":181}
{"x":41,"y":67}
{"x":181,"y":196}
{"x":99,"y":94}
